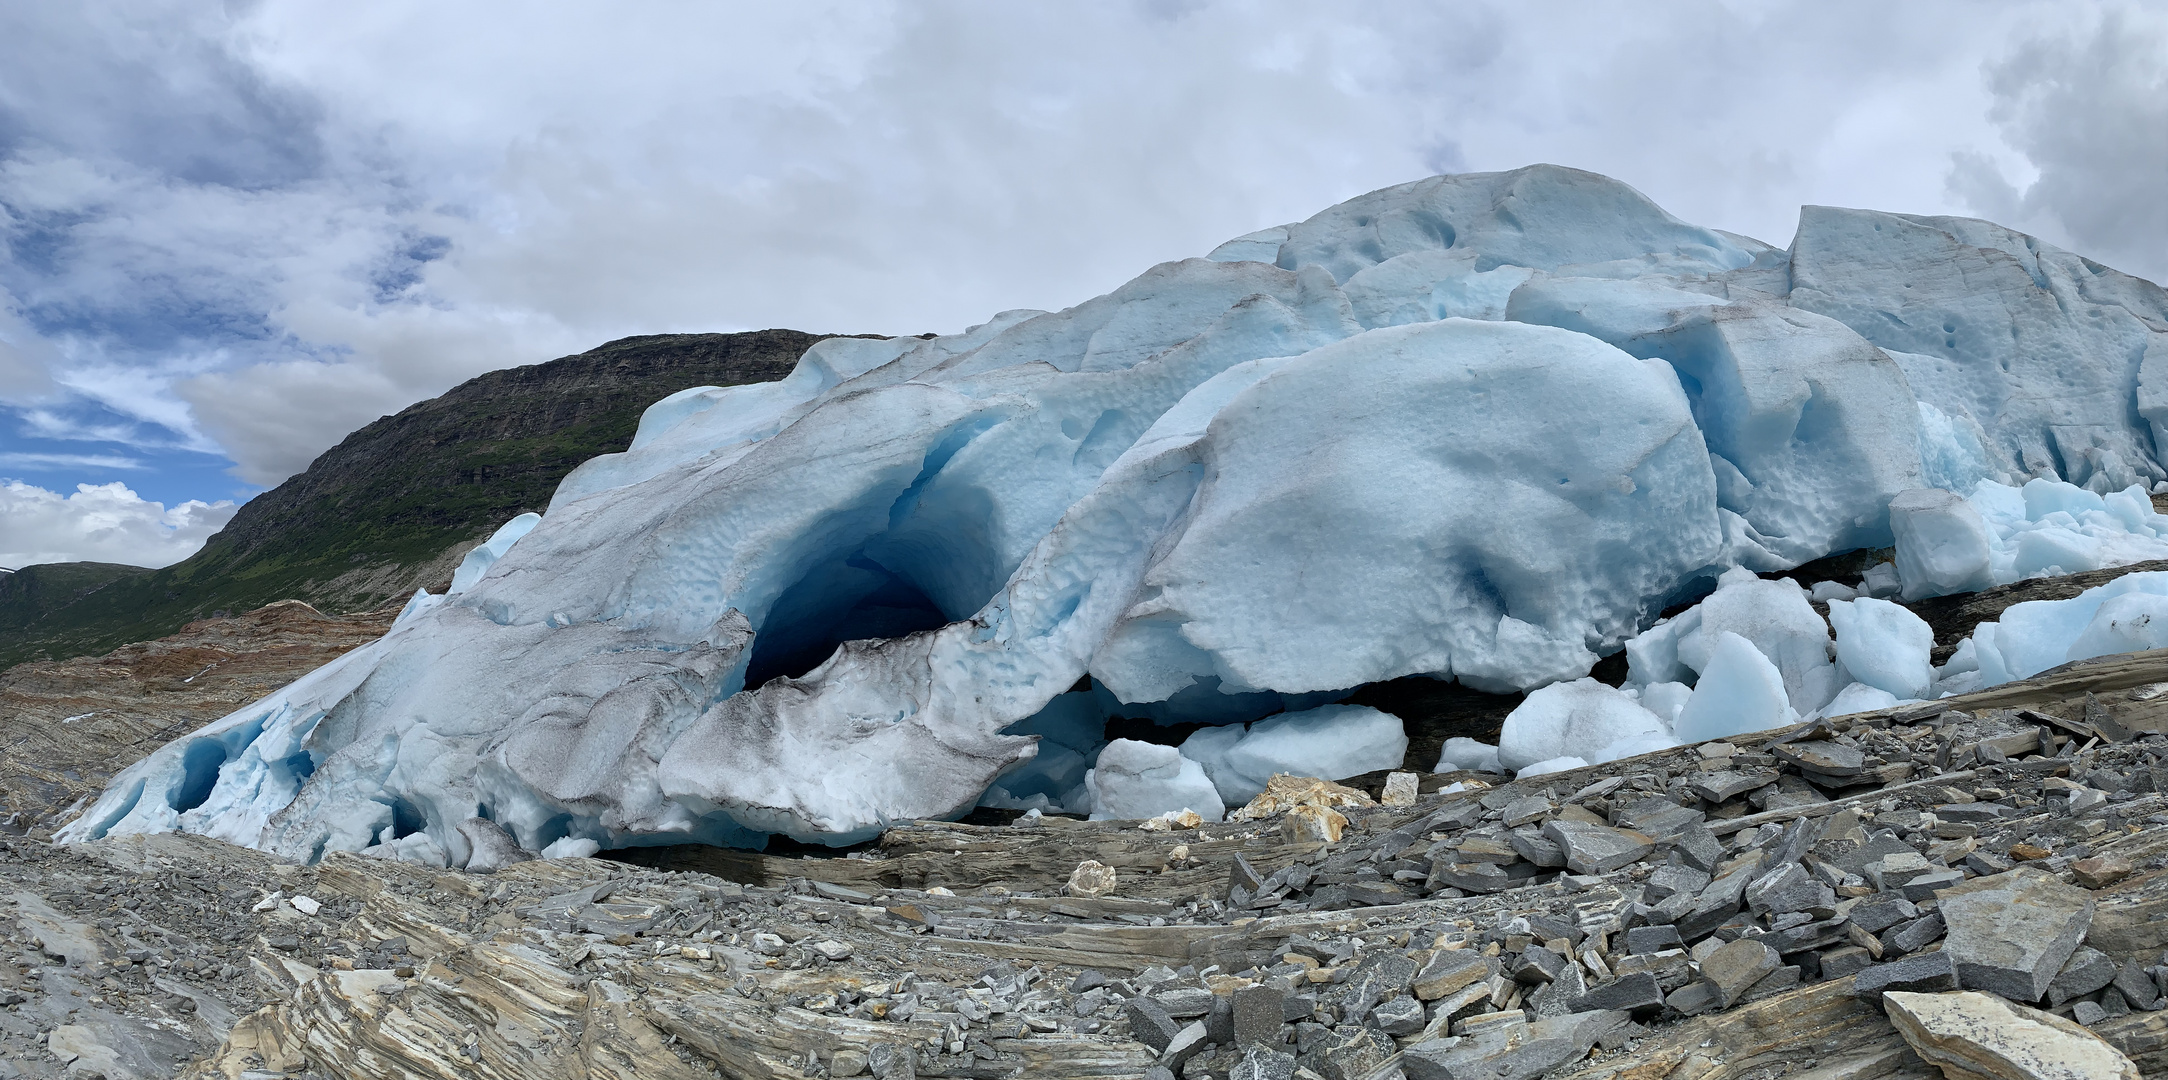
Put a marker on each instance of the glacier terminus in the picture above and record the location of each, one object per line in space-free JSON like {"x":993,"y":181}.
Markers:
{"x":1485,"y":428}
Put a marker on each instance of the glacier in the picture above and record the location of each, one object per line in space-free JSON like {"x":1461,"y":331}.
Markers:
{"x":1482,"y":427}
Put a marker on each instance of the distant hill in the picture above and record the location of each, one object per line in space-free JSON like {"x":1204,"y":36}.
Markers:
{"x":394,"y":506}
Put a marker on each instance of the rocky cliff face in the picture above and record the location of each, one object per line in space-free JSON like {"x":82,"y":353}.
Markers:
{"x":393,"y":506}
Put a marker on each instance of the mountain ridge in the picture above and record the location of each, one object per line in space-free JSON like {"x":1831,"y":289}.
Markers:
{"x":395,"y":504}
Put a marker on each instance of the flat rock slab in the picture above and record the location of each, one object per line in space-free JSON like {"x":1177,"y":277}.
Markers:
{"x":1970,"y":1034}
{"x":2011,"y":933}
{"x":1597,"y":849}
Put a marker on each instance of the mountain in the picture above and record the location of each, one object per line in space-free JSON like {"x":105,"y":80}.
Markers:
{"x":393,"y":506}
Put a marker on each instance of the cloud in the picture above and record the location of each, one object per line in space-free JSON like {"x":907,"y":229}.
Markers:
{"x":101,"y":523}
{"x":258,"y":227}
{"x":2089,"y":111}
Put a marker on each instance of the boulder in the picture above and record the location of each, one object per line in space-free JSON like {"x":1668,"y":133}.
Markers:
{"x":1970,"y":1034}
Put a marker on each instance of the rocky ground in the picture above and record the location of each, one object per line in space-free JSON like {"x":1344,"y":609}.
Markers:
{"x":1804,"y":903}
{"x":68,"y":725}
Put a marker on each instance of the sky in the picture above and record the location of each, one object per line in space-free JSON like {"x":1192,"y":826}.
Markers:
{"x":231,"y":233}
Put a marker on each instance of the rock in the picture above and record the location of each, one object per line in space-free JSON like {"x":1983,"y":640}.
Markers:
{"x":1311,"y":824}
{"x":1151,"y":1024}
{"x":1091,"y":878}
{"x":1830,"y":759}
{"x":2087,"y":970}
{"x":1699,"y":848}
{"x":1667,"y":881}
{"x":1185,"y":1002}
{"x":1186,"y":1044}
{"x":1400,"y":790}
{"x":1538,"y":965}
{"x":2100,"y":871}
{"x":1259,"y":1012}
{"x":306,"y":905}
{"x":1449,"y":970}
{"x":1890,"y":872}
{"x":847,"y":1061}
{"x":1400,"y":1016}
{"x":1265,"y":1063}
{"x":1527,"y":809}
{"x":832,"y":950}
{"x":1534,"y":847}
{"x":888,"y":1061}
{"x":1725,"y":783}
{"x":1694,"y":998}
{"x":1736,"y":966}
{"x":2011,"y":933}
{"x":1476,"y":877}
{"x":1915,"y":935}
{"x":1638,"y":994}
{"x":1974,"y":1034}
{"x":2137,"y":987}
{"x":2088,"y":1013}
{"x":1786,"y":889}
{"x":1642,"y":940}
{"x":1848,"y":960}
{"x":1881,"y":911}
{"x":1925,"y":973}
{"x":1597,"y":849}
{"x":1353,"y":1052}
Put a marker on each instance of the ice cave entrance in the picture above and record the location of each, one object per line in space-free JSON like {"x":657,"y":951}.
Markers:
{"x":849,"y":599}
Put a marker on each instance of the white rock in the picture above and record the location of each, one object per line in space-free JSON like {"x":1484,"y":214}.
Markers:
{"x":305,"y":905}
{"x":1971,"y":1034}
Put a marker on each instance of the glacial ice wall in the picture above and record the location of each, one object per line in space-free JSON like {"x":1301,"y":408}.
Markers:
{"x":1478,"y":427}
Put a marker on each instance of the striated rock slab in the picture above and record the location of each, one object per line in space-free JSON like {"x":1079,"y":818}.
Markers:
{"x":2011,"y":933}
{"x":1974,"y":1035}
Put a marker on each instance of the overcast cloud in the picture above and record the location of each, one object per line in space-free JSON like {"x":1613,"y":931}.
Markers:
{"x":101,"y":523}
{"x":229,"y":234}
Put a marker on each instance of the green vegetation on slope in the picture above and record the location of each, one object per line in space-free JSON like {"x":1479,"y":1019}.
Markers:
{"x":390,"y":508}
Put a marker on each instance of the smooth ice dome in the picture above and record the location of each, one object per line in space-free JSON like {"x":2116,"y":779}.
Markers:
{"x":1565,"y":717}
{"x":1461,"y":752}
{"x":1884,"y":646}
{"x":1859,"y":698}
{"x":1140,"y":780}
{"x":1482,"y":428}
{"x":1332,"y":743}
{"x":2128,"y":614}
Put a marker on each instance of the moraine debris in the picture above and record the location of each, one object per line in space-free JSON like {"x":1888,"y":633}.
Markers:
{"x":1688,"y":902}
